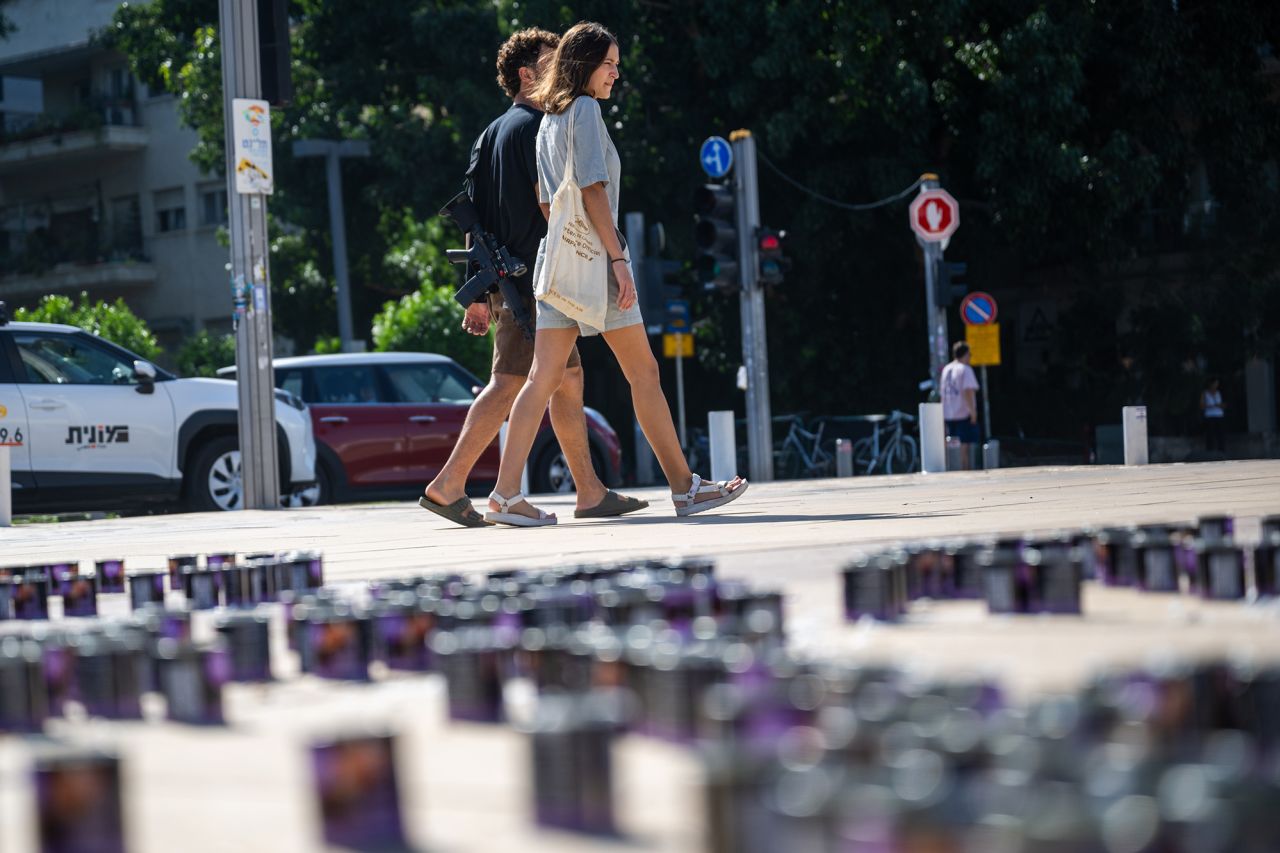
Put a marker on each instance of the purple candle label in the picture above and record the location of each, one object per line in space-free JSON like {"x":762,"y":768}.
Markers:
{"x":79,"y":806}
{"x":355,"y":784}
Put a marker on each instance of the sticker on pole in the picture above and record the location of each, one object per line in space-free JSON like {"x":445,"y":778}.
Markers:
{"x":251,"y":135}
{"x":978,"y":309}
{"x":935,"y":216}
{"x":677,"y":345}
{"x":716,"y":156}
{"x":984,"y":344}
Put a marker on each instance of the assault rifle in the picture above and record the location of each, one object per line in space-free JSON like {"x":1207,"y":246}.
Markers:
{"x":490,"y":266}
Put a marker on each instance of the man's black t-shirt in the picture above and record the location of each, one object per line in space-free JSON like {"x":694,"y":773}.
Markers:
{"x":504,"y":178}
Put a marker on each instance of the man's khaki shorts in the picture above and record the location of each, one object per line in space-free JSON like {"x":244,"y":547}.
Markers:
{"x":512,"y":352}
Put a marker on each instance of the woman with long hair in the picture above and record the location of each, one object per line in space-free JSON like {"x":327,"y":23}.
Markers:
{"x":582,"y":73}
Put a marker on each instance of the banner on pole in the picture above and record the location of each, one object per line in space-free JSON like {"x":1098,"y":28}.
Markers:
{"x":984,"y":345}
{"x":251,"y":134}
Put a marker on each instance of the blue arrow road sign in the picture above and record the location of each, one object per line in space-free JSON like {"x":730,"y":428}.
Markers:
{"x":716,"y":156}
{"x":677,"y":317}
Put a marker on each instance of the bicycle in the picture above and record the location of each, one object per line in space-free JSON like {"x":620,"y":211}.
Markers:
{"x":801,"y":453}
{"x":897,"y":454}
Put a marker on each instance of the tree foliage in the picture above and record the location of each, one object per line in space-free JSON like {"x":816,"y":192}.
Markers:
{"x":203,"y":353}
{"x":112,"y":321}
{"x":1086,"y":142}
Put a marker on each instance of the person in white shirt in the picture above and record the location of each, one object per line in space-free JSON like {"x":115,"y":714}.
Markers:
{"x":959,"y":400}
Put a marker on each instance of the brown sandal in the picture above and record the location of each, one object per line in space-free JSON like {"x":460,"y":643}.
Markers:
{"x":612,"y":505}
{"x":459,"y":512}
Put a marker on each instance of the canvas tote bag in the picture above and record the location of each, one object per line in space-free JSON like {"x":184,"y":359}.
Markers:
{"x":573,"y":277}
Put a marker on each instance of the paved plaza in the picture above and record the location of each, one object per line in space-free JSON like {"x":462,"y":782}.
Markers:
{"x":244,"y":787}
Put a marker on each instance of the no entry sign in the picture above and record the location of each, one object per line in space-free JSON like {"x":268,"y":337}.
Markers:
{"x":935,"y":216}
{"x":978,"y":309}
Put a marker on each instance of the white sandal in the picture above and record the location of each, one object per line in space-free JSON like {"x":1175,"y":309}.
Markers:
{"x":515,"y":519}
{"x":700,"y":487}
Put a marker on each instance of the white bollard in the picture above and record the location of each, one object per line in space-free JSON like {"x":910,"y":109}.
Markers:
{"x":1135,"y":434}
{"x":724,"y":445}
{"x":6,"y":486}
{"x":933,"y":439}
{"x":844,"y":457}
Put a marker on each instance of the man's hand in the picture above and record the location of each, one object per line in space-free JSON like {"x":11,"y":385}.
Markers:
{"x":476,"y":320}
{"x":626,"y":286}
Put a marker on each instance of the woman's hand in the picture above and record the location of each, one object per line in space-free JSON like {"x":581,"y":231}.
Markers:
{"x":626,"y":286}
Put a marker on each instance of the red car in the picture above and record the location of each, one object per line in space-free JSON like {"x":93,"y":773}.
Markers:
{"x":386,"y":422}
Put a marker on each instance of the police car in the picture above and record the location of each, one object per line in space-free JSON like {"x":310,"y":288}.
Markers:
{"x":92,"y":426}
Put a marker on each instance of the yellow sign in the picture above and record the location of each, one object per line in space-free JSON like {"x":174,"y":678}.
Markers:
{"x":670,"y":342}
{"x":984,"y":344}
{"x":3,"y":412}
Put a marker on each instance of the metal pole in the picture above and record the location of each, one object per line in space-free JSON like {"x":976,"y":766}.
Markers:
{"x":6,"y":488}
{"x":259,"y":462}
{"x":986,"y":407}
{"x":935,"y":315}
{"x":755,"y":349}
{"x":338,"y":229}
{"x":680,"y":387}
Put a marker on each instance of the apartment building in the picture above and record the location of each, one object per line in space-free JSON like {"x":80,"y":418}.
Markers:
{"x":97,"y":193}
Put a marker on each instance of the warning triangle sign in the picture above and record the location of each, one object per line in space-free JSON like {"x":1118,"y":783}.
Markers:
{"x":1039,"y":330}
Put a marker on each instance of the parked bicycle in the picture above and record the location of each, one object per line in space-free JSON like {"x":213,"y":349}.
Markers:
{"x":801,"y":453}
{"x":890,"y":449}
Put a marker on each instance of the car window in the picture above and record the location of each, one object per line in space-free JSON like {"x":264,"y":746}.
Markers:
{"x":54,"y":359}
{"x":291,"y":381}
{"x":346,"y":384}
{"x":427,"y":383}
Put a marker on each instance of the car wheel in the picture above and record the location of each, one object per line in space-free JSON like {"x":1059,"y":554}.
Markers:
{"x":213,"y":483}
{"x":320,"y":493}
{"x":552,"y":476}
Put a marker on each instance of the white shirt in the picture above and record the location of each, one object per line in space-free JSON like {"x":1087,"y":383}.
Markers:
{"x":1213,"y":404}
{"x":957,"y":377}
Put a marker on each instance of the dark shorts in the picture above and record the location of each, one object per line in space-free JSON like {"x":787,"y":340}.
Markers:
{"x":512,"y":352}
{"x":964,"y":430}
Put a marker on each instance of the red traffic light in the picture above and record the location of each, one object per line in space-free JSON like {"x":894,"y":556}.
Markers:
{"x":770,"y":243}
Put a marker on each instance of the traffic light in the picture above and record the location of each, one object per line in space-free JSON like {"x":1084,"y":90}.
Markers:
{"x":949,"y":287}
{"x":772,"y":265}
{"x":273,"y":52}
{"x":716,"y":236}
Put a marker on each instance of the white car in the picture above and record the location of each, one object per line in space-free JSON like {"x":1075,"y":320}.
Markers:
{"x":100,"y":427}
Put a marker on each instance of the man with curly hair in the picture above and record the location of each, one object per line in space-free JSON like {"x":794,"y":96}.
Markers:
{"x":503,"y":182}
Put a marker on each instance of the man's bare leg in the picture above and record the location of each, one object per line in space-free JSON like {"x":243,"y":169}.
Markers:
{"x":570,"y":424}
{"x":483,"y":422}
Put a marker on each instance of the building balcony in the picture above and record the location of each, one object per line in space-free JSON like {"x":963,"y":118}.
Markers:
{"x":110,"y":276}
{"x":97,"y":130}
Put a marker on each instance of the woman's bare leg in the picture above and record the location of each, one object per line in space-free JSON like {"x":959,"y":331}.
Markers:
{"x":550,"y":351}
{"x":630,"y":346}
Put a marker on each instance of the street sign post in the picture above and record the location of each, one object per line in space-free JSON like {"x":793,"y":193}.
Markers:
{"x":249,"y":179}
{"x":934,"y":216}
{"x":677,"y":343}
{"x":716,"y":157}
{"x":978,"y":309}
{"x":982,"y":334}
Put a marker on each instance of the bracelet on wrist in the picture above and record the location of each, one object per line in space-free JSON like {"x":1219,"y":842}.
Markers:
{"x":615,"y":260}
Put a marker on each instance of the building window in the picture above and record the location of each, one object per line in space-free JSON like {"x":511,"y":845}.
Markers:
{"x":213,"y":204}
{"x":171,"y":211}
{"x":126,"y":227}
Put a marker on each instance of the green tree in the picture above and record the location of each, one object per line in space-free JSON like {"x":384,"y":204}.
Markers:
{"x":1077,"y":137}
{"x":112,"y":321}
{"x":203,"y":354}
{"x":428,"y":320}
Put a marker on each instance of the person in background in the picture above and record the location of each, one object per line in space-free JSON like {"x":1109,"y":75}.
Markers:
{"x":959,"y":401}
{"x":1211,"y":410}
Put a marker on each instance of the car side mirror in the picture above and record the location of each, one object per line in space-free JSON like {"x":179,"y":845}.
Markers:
{"x":145,"y":373}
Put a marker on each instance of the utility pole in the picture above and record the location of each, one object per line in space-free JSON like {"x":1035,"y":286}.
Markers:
{"x":755,"y":350}
{"x":333,"y":151}
{"x":241,"y":78}
{"x":933,"y":236}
